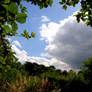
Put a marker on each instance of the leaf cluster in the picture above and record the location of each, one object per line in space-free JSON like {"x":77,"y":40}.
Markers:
{"x":85,"y":13}
{"x":41,"y":3}
{"x":11,"y":13}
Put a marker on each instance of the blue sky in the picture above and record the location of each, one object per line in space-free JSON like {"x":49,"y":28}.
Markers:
{"x":51,"y":18}
{"x":33,"y":23}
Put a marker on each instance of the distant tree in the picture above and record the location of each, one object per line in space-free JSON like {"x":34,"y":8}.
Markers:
{"x":75,"y":86}
{"x":65,"y":73}
{"x":87,"y":72}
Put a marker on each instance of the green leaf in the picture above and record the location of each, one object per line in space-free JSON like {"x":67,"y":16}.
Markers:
{"x":70,"y":3}
{"x":3,"y":62}
{"x":25,"y":32}
{"x":6,"y":1}
{"x":23,"y":10}
{"x":51,"y":1}
{"x":64,"y":7}
{"x":22,"y":35}
{"x":1,"y":66}
{"x":20,"y":5}
{"x":64,"y":1}
{"x":33,"y":35}
{"x":8,"y":67}
{"x":26,"y":35}
{"x":41,"y":6}
{"x":14,"y":26}
{"x":21,"y":18}
{"x":13,"y":8}
{"x":5,"y":6}
{"x":7,"y":28}
{"x":78,"y":20}
{"x":61,"y":3}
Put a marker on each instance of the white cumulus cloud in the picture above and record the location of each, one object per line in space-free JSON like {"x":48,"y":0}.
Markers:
{"x":23,"y":57}
{"x":68,"y":41}
{"x":45,"y":19}
{"x":20,"y":54}
{"x":17,"y":43}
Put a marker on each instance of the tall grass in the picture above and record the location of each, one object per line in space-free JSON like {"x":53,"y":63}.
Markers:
{"x":27,"y":84}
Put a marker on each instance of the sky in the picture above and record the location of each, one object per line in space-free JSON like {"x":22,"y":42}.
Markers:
{"x":60,"y":41}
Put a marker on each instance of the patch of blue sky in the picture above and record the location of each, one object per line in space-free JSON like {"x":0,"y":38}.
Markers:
{"x":35,"y":46}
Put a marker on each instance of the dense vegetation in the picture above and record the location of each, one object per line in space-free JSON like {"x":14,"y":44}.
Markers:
{"x":31,"y":77}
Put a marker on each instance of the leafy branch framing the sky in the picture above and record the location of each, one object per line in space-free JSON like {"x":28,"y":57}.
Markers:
{"x":10,"y":14}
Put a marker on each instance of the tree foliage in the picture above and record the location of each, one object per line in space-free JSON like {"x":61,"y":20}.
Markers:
{"x":67,"y":81}
{"x":85,"y":13}
{"x":10,"y":15}
{"x":12,"y":11}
